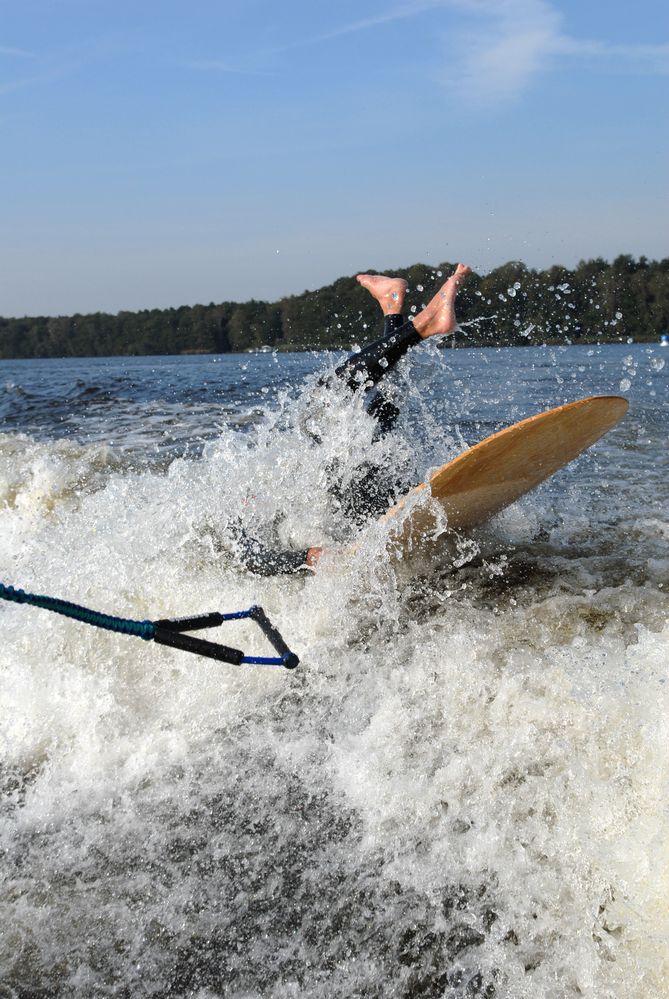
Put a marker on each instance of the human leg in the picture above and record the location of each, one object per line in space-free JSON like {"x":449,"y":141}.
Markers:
{"x":369,"y":365}
{"x":438,"y":316}
{"x":389,"y":292}
{"x":365,"y":369}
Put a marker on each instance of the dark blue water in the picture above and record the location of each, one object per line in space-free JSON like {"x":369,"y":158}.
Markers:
{"x":157,"y":402}
{"x":172,"y":401}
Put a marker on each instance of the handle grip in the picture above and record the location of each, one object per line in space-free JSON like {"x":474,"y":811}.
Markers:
{"x":290,"y":660}
{"x":177,"y":640}
{"x":212,"y":620}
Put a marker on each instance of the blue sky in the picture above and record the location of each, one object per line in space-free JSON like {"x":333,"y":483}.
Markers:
{"x":166,"y":153}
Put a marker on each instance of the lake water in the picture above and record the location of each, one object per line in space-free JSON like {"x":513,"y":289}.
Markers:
{"x":461,"y":791}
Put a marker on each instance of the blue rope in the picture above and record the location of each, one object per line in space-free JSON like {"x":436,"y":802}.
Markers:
{"x":125,"y":626}
{"x":160,"y":630}
{"x":254,"y":660}
{"x":263,"y":660}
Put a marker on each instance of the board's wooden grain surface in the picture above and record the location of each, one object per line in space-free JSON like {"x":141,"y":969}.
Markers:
{"x":489,"y":476}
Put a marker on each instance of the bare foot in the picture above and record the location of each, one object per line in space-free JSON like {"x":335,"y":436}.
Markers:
{"x":389,"y":292}
{"x":438,"y":316}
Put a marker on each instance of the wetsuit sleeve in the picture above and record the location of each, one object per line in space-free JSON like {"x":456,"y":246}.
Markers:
{"x":384,"y":412}
{"x":370,"y":364}
{"x":264,"y":561}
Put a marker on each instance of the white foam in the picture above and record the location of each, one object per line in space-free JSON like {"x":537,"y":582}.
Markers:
{"x":470,"y":766}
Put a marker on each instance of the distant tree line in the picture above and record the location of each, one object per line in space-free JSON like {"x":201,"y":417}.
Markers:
{"x":595,"y":302}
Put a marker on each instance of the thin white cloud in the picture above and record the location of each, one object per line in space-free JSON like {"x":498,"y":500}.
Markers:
{"x":506,"y":46}
{"x":402,"y":12}
{"x":643,"y":58}
{"x":220,"y":66}
{"x":495,"y":60}
{"x":518,"y":39}
{"x":48,"y":73}
{"x":27,"y":81}
{"x":412,"y":8}
{"x":61,"y":64}
{"x":7,"y":50}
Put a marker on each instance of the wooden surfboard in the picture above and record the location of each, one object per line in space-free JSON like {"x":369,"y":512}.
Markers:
{"x":493,"y":474}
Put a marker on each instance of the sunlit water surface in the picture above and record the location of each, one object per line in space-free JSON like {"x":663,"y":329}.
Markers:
{"x":463,"y":788}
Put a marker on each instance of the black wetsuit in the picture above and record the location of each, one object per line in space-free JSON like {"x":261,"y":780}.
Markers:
{"x":362,"y":370}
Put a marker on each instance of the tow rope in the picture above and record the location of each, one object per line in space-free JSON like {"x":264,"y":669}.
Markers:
{"x":169,"y":631}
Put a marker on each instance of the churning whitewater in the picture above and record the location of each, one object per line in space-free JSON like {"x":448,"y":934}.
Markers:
{"x":461,"y":791}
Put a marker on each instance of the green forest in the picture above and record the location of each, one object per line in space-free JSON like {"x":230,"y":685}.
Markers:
{"x":597,"y":301}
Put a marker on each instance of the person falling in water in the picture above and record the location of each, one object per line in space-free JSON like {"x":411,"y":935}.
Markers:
{"x":364,"y":370}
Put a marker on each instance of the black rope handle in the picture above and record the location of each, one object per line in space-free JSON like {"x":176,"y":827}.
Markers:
{"x":170,"y":631}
